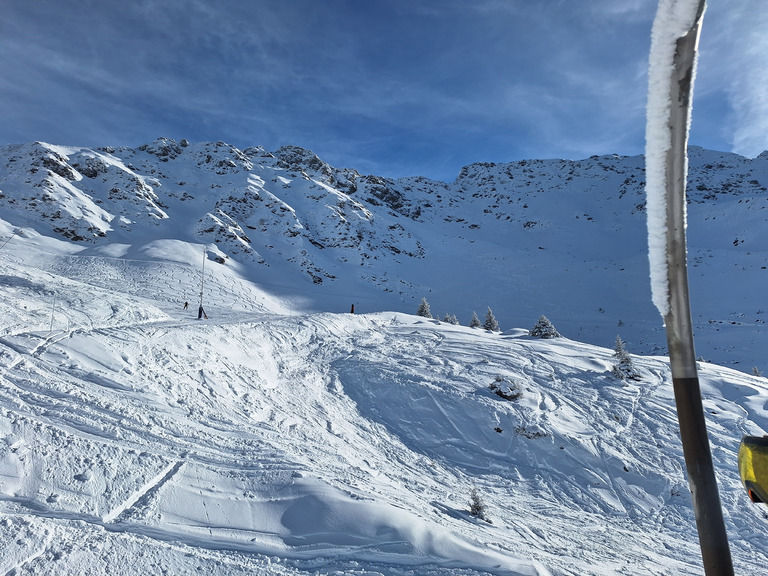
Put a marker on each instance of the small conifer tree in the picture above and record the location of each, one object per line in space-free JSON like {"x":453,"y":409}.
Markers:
{"x":624,"y":368}
{"x":490,"y":321}
{"x":423,"y":309}
{"x":475,"y":322}
{"x":544,"y":329}
{"x":450,"y":319}
{"x":619,"y":348}
{"x":477,"y":507}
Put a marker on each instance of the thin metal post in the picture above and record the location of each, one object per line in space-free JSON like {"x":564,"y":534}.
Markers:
{"x":202,"y":280}
{"x":716,"y":554}
{"x":53,"y":310}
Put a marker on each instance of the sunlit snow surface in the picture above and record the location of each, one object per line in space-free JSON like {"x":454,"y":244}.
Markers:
{"x":135,"y":439}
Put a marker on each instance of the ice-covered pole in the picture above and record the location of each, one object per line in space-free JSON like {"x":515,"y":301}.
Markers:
{"x":671,"y":74}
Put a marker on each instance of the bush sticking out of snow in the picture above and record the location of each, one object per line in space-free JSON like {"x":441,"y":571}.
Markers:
{"x":532,"y":431}
{"x":506,"y":389}
{"x":451,"y":319}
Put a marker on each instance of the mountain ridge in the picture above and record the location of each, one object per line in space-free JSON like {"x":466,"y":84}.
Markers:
{"x":560,"y":237}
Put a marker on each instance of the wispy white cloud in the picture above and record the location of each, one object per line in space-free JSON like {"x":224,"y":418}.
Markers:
{"x":733,"y":69}
{"x":390,"y":86}
{"x":748,"y":90}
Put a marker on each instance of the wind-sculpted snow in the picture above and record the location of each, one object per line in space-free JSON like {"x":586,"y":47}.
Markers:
{"x":266,"y":439}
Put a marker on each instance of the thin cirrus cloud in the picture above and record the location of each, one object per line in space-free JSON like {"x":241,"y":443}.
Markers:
{"x":747,"y":75}
{"x":730,"y":110}
{"x":393,"y":88}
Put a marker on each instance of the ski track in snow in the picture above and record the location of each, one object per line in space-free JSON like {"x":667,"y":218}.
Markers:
{"x":264,"y":442}
{"x":141,"y":496}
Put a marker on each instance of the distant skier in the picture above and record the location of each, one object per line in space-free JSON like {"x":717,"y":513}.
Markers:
{"x":201,"y":313}
{"x":353,"y":309}
{"x":186,"y":305}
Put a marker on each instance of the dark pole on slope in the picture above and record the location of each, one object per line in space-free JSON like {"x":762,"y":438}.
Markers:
{"x":202,"y":280}
{"x":713,"y":539}
{"x":9,"y":239}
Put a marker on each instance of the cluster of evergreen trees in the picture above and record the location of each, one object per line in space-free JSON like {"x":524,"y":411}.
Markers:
{"x":542,"y":329}
{"x":624,"y":368}
{"x":490,"y":322}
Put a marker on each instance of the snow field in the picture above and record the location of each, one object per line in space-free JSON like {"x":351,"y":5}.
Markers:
{"x":136,"y":439}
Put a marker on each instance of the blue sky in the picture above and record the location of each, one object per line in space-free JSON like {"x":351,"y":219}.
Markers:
{"x":388,"y":87}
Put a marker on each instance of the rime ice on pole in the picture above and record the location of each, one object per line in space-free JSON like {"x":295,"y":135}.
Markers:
{"x":673,"y":20}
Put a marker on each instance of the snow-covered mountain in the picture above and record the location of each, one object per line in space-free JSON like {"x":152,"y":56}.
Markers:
{"x":284,"y":436}
{"x":562,"y":238}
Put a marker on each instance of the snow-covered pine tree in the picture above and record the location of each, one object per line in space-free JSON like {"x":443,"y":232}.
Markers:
{"x":475,"y":322}
{"x":490,"y":321}
{"x":423,"y":309}
{"x":619,"y":348}
{"x":477,"y":506}
{"x":450,"y":319}
{"x":624,"y":368}
{"x":544,"y":329}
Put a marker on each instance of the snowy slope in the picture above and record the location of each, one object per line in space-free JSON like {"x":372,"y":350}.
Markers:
{"x":556,"y":237}
{"x":269,"y":439}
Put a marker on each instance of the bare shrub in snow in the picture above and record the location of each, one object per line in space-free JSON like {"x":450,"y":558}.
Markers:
{"x":531,"y":431}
